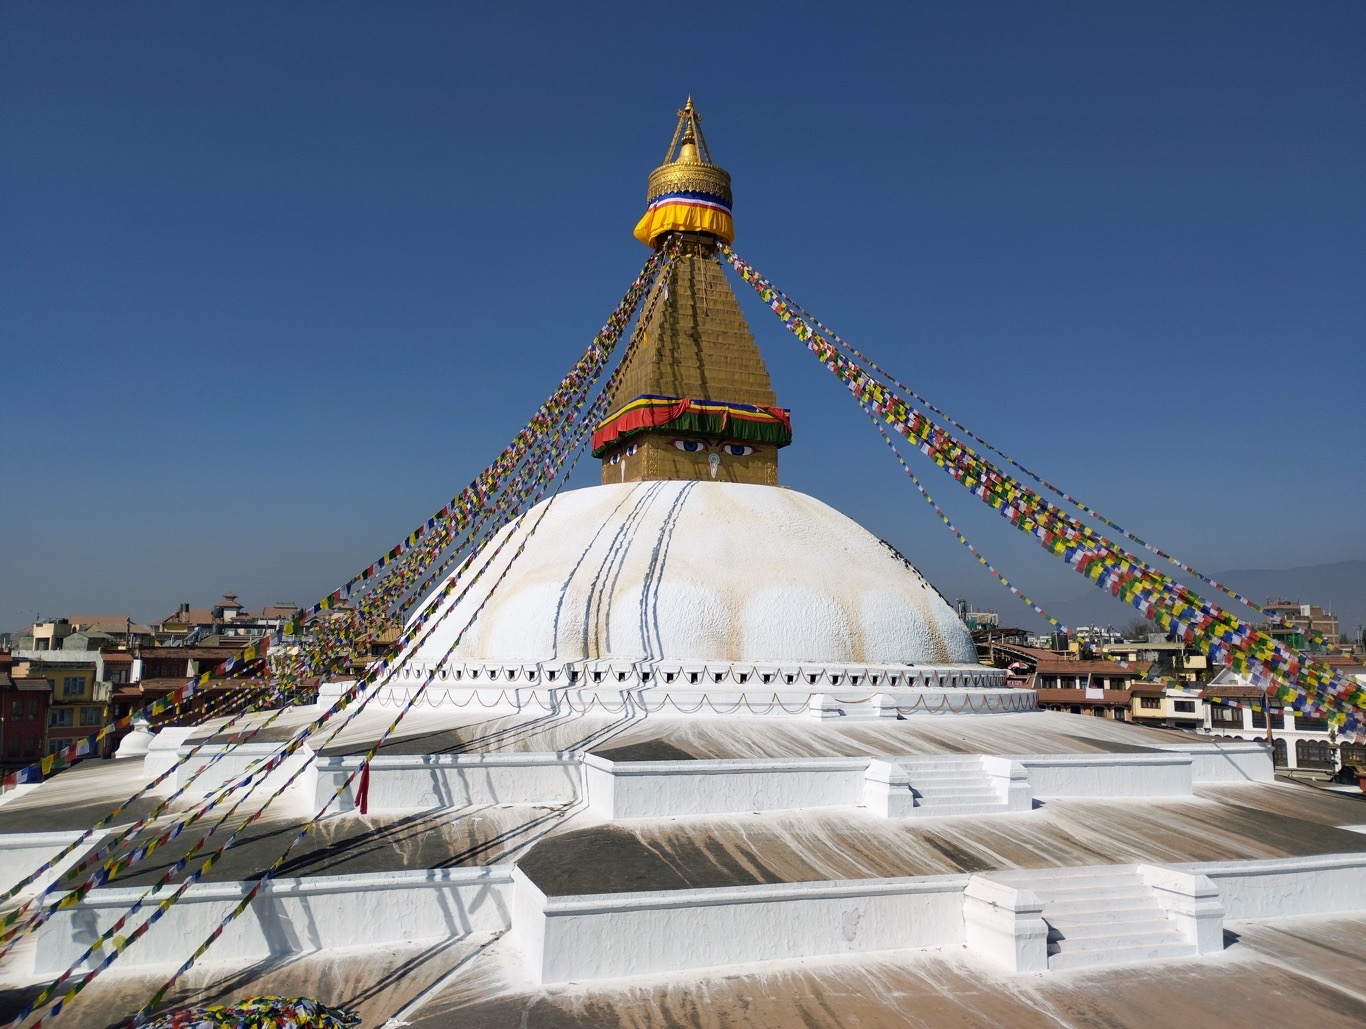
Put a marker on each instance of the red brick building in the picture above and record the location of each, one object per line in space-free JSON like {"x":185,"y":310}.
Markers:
{"x":24,"y":705}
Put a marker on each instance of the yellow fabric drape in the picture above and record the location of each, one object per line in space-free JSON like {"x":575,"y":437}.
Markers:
{"x":684,"y":218}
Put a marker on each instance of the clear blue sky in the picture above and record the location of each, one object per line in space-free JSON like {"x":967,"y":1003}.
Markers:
{"x":279,"y":278}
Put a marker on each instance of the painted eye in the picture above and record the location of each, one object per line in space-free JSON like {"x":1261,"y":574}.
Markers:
{"x":691,"y":446}
{"x":615,"y":458}
{"x":630,"y":451}
{"x":737,"y":450}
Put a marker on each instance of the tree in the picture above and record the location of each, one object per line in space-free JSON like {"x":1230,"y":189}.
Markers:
{"x":1138,"y":630}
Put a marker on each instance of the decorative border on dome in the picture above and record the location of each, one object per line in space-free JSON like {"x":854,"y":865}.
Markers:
{"x":685,"y":688}
{"x":682,"y":674}
{"x":683,"y":699}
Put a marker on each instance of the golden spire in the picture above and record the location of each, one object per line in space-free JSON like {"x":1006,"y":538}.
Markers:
{"x":689,"y":135}
{"x":687,"y":193}
{"x":695,"y":400}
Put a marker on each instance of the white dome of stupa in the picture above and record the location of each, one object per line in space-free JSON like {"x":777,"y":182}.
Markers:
{"x":693,"y":571}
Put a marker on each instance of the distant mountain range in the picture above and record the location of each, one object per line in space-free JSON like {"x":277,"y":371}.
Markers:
{"x":1339,"y":587}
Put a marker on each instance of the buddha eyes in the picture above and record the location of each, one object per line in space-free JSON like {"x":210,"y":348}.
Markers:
{"x":697,"y":446}
{"x":621,"y":455}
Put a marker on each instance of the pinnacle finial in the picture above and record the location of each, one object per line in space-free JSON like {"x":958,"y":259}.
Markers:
{"x":688,"y":131}
{"x":687,"y":192}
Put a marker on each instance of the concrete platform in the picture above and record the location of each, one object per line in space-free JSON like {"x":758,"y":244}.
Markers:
{"x":478,"y":974}
{"x":1233,"y":823}
{"x":1290,"y":972}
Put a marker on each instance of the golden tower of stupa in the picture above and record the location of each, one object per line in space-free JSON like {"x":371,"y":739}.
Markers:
{"x":695,"y":400}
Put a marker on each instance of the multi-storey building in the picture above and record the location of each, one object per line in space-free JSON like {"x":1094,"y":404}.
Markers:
{"x":1297,"y":625}
{"x":226,"y":622}
{"x":1065,"y":682}
{"x":23,"y":718}
{"x":1165,"y":657}
{"x":80,"y":693}
{"x":83,"y":632}
{"x":1167,"y":705}
{"x":1236,"y":709}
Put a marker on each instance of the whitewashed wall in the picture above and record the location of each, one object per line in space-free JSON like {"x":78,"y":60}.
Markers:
{"x":289,"y":916}
{"x":647,"y":789}
{"x":224,"y":763}
{"x":21,"y":854}
{"x":611,"y":935}
{"x":1226,"y":762}
{"x":1109,"y":775}
{"x":1286,"y":887}
{"x":429,"y":781}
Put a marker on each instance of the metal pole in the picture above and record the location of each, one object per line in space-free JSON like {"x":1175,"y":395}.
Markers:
{"x":1270,"y":739}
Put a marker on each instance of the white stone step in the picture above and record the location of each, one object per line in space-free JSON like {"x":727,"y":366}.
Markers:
{"x":1100,"y":889}
{"x":1046,"y":880}
{"x":967,"y":792}
{"x":1105,"y":917}
{"x":938,"y":759}
{"x":944,"y":785}
{"x":949,"y":801}
{"x":1082,"y":884}
{"x":954,"y":810}
{"x":1090,"y":910}
{"x":1046,"y":877}
{"x":1144,"y":936}
{"x":1140,"y":925}
{"x":1120,"y":955}
{"x":1093,"y":887}
{"x":935,"y":781}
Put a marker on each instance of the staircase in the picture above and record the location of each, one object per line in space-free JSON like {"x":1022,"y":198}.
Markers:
{"x":945,"y":785}
{"x":1105,"y":916}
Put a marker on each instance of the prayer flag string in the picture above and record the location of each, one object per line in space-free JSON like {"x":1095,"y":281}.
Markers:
{"x":884,"y":375}
{"x":1301,"y":681}
{"x":576,"y":446}
{"x":547,"y":471}
{"x":544,"y":420}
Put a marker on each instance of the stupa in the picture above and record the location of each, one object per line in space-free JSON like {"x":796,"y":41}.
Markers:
{"x":709,"y":754}
{"x":691,"y":579}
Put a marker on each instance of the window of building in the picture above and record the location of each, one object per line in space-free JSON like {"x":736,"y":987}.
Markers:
{"x":1278,"y":754}
{"x":31,"y":749}
{"x":1259,"y":718}
{"x":1225,"y":714}
{"x":14,"y":746}
{"x":73,"y":686}
{"x":56,"y":746}
{"x":1314,"y":754}
{"x":1121,"y":715}
{"x":17,"y":709}
{"x":33,"y":711}
{"x":1306,"y":724}
{"x":1150,"y":702}
{"x":61,"y":716}
{"x":1185,"y":707}
{"x":90,"y":716}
